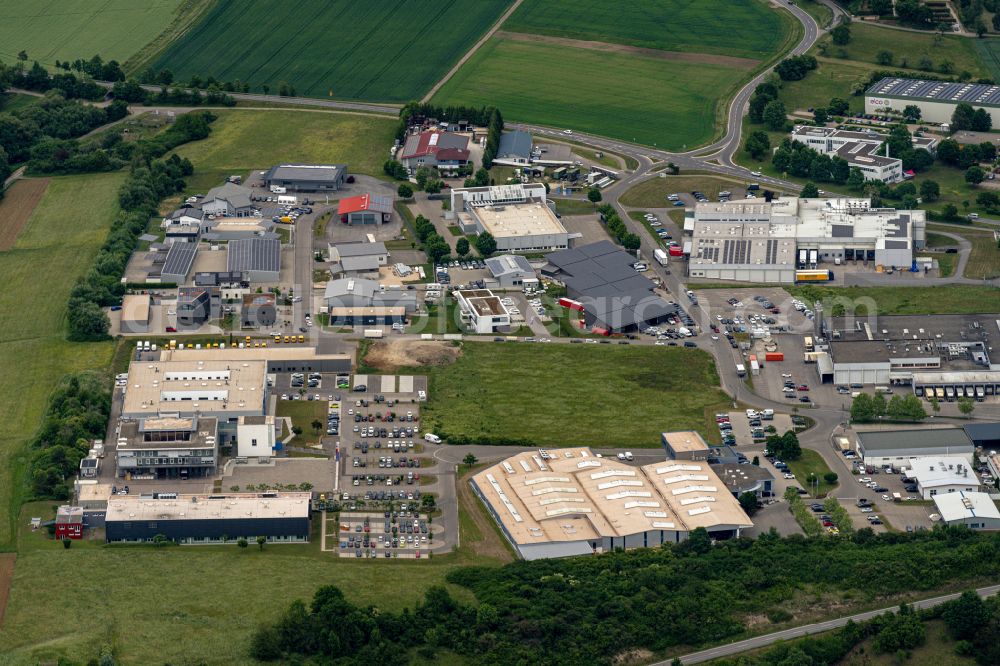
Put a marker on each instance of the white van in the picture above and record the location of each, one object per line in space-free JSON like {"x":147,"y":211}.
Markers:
{"x":432,"y":438}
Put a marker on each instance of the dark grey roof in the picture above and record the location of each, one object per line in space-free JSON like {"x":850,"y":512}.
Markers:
{"x":254,"y":254}
{"x":896,"y":244}
{"x":842,"y":230}
{"x":237,"y":195}
{"x":981,"y":432}
{"x":507,"y":264}
{"x":975,"y":94}
{"x":215,"y":279}
{"x":180,"y":256}
{"x":313,"y":173}
{"x":924,"y":438}
{"x":515,"y":143}
{"x":360,"y":249}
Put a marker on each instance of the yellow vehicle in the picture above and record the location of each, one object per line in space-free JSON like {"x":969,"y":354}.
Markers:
{"x":286,"y":339}
{"x":302,"y":338}
{"x":277,"y":338}
{"x":286,"y":220}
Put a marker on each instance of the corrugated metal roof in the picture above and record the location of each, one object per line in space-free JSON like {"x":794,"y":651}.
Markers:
{"x":937,"y":91}
{"x":254,"y":254}
{"x":179,"y":259}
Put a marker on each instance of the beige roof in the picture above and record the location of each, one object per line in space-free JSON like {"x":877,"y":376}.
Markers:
{"x":685,"y":441}
{"x":135,"y":307}
{"x":386,"y":311}
{"x":527,"y":219}
{"x":189,"y":385}
{"x":207,"y":507}
{"x":575,"y":495}
{"x":234,"y":354}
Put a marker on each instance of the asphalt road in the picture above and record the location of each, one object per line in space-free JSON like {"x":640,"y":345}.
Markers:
{"x":808,"y":629}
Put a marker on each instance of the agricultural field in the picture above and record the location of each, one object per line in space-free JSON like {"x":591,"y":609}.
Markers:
{"x":51,"y":30}
{"x":38,"y":273}
{"x":16,"y":207}
{"x":739,"y":28}
{"x":247,"y":139}
{"x":989,"y":53}
{"x":389,"y":51}
{"x":654,"y":101}
{"x":579,"y":395}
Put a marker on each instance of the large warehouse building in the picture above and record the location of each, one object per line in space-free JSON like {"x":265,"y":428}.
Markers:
{"x":759,"y":241}
{"x":897,"y":448}
{"x":307,"y":177}
{"x":518,"y":217}
{"x":570,"y":502}
{"x":943,"y":356}
{"x":259,"y":259}
{"x":936,"y":99}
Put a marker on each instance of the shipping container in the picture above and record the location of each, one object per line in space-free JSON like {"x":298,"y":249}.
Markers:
{"x":774,"y":356}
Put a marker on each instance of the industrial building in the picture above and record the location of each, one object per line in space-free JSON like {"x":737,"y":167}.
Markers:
{"x":686,"y":445}
{"x":571,"y":502}
{"x":69,"y":522}
{"x":614,"y":297}
{"x":861,"y":150}
{"x":897,"y":448}
{"x":177,"y":265}
{"x":510,"y":271}
{"x":445,"y":151}
{"x":307,"y":177}
{"x":517,"y":216}
{"x":367,"y":316}
{"x":355,"y":259}
{"x":259,"y":311}
{"x":168,"y":447}
{"x":361,"y":293}
{"x":228,"y":200}
{"x":256,"y":436}
{"x":135,"y":313}
{"x":483,"y":311}
{"x":977,"y":511}
{"x":196,"y":305}
{"x":769,"y":241}
{"x":259,"y":259}
{"x":514,"y":148}
{"x":279,"y":517}
{"x":942,"y":475}
{"x":236,"y":228}
{"x":276,"y":359}
{"x":746,"y":478}
{"x":942,"y":356}
{"x":365,"y":209}
{"x":936,"y":99}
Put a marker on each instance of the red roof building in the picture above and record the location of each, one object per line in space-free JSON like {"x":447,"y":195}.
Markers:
{"x":365,"y":209}
{"x":69,"y":522}
{"x":435,"y":149}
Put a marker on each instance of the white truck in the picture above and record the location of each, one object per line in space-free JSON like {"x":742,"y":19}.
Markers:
{"x":741,"y":370}
{"x":432,"y":438}
{"x":288,"y":200}
{"x":660,"y":256}
{"x":373,"y":333}
{"x":278,"y":189}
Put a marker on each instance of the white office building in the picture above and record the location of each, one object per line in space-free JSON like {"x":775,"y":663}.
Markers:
{"x":483,"y":311}
{"x":940,"y":476}
{"x":255,"y":436}
{"x":976,"y":511}
{"x":861,"y":150}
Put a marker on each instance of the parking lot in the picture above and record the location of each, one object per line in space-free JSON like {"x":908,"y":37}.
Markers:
{"x":744,"y":430}
{"x":397,"y":533}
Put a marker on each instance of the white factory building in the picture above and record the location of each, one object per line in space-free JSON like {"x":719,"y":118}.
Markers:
{"x":518,"y":216}
{"x":760,"y":241}
{"x":861,"y":150}
{"x":571,"y":502}
{"x":937,"y":99}
{"x":938,"y":356}
{"x":940,"y":476}
{"x":899,"y":448}
{"x":977,"y":511}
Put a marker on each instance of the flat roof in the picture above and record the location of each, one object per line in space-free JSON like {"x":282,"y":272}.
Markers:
{"x":231,"y":506}
{"x":237,"y":356}
{"x":977,"y":94}
{"x":254,"y":254}
{"x":575,"y":496}
{"x":135,"y":307}
{"x":950,"y":338}
{"x":307,"y":172}
{"x":384,"y":311}
{"x":168,"y":432}
{"x":204,"y":386}
{"x":740,"y":477}
{"x":685,"y":441}
{"x":942,"y":471}
{"x":482,"y":301}
{"x":518,"y":219}
{"x":965,"y":505}
{"x":915,"y":439}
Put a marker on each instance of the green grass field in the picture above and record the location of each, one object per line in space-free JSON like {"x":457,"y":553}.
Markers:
{"x":820,"y":13}
{"x":984,"y":259}
{"x":811,"y":463}
{"x":908,"y":48}
{"x":246,"y":139}
{"x":572,"y":395}
{"x":51,"y":30}
{"x":652,"y":193}
{"x":387,"y":51}
{"x":574,"y":207}
{"x":989,"y":53}
{"x":38,"y":273}
{"x":10,"y":102}
{"x":742,"y":28}
{"x":945,"y":299}
{"x":667,"y":103}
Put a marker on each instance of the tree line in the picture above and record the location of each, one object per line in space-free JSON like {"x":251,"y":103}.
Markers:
{"x":593,"y":609}
{"x":150,"y":180}
{"x":485,"y":116}
{"x":867,"y":408}
{"x":617,"y":228}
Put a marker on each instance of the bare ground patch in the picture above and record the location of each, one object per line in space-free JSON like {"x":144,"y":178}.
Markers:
{"x":17,"y":206}
{"x":390,"y":355}
{"x":6,"y":578}
{"x":607,"y":47}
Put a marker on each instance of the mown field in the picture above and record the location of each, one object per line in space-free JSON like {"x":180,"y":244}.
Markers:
{"x":742,"y":28}
{"x":393,"y":50}
{"x":572,"y":395}
{"x":989,"y":52}
{"x":944,"y":299}
{"x":51,"y":30}
{"x":670,"y":104}
{"x":245,"y":139}
{"x":57,"y":245}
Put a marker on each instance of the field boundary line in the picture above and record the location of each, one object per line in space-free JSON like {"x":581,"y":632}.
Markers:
{"x":18,"y":207}
{"x":7,"y":563}
{"x":471,"y":52}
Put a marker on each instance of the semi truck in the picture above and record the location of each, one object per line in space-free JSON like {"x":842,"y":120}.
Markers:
{"x":814,"y":275}
{"x":660,"y":256}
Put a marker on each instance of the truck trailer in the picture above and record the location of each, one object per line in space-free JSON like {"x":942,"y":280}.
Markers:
{"x":660,"y":256}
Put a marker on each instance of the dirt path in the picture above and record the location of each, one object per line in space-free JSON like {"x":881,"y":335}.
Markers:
{"x":17,"y":206}
{"x":702,"y":58}
{"x":468,"y":54}
{"x":6,"y":578}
